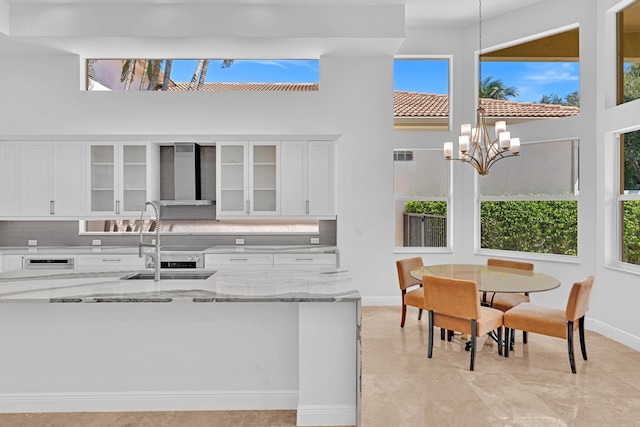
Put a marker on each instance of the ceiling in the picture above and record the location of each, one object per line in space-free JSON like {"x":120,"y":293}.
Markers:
{"x":30,"y":21}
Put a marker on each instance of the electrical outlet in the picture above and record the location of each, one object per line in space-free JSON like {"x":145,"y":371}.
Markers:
{"x":96,"y":242}
{"x":33,"y":243}
{"x":239,"y":241}
{"x":315,"y":240}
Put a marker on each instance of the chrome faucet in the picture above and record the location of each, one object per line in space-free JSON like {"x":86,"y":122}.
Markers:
{"x":156,"y":245}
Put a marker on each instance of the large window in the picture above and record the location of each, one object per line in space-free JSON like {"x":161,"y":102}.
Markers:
{"x":530,"y":203}
{"x":421,"y":192}
{"x":420,"y":94}
{"x":629,"y":197}
{"x":538,"y":79}
{"x":209,"y":75}
{"x":629,"y":53}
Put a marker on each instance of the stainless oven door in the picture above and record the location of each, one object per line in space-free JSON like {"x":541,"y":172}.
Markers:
{"x":48,"y":263}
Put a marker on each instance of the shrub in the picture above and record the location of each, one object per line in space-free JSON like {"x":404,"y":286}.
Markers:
{"x":549,"y":227}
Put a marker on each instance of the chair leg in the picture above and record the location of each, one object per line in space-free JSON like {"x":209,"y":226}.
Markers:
{"x":430,"y":345}
{"x":474,"y":333}
{"x":499,"y":333}
{"x":442,"y":332}
{"x":572,"y":361}
{"x":419,"y":314}
{"x":524,"y":337}
{"x":506,"y":342}
{"x":449,"y":335}
{"x":583,"y":344}
{"x":404,"y":315}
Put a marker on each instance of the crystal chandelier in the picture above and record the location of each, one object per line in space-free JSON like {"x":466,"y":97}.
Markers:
{"x":474,"y":144}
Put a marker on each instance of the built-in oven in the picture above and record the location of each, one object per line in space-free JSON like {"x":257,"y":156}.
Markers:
{"x":47,"y":263}
{"x":177,"y":257}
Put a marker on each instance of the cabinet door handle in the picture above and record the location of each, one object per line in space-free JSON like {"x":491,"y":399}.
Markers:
{"x":238,"y":259}
{"x":307,"y":207}
{"x":52,"y":208}
{"x":112,"y":260}
{"x":247,"y":206}
{"x":304,"y":259}
{"x":118,"y":207}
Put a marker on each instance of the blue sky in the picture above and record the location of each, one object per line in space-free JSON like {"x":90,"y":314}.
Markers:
{"x":251,"y":71}
{"x":532,"y":79}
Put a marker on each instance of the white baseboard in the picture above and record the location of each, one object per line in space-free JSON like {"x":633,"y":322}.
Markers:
{"x":382,"y":301}
{"x":326,"y":415}
{"x":613,"y":333}
{"x":148,"y":401}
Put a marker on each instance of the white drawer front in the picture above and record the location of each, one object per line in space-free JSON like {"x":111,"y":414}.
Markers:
{"x":238,"y":260}
{"x":304,"y":260}
{"x":109,"y":261}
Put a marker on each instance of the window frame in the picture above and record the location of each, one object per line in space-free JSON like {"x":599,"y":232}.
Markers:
{"x":426,"y":124}
{"x":569,"y":197}
{"x":447,"y":199}
{"x":621,"y":196}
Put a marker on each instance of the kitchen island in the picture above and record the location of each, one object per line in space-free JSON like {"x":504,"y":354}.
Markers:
{"x":257,"y":339}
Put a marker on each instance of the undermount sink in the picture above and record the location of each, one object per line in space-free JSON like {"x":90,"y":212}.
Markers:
{"x":171,"y":275}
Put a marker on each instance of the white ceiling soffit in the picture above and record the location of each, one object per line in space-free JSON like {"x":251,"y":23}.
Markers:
{"x":221,"y":28}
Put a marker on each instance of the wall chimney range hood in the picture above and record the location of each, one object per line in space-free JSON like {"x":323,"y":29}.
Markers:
{"x":186,"y":176}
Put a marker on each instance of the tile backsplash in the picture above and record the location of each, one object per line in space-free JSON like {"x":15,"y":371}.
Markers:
{"x":66,"y":233}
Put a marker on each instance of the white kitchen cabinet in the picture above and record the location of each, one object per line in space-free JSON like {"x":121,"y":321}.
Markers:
{"x":307,"y":177}
{"x":248,"y":179}
{"x":12,"y":262}
{"x":10,"y":171}
{"x":109,"y":262}
{"x":238,"y":260}
{"x":304,"y":260}
{"x":119,"y":176}
{"x":52,"y":179}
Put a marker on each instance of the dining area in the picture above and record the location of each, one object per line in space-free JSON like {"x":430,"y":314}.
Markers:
{"x":471,"y":301}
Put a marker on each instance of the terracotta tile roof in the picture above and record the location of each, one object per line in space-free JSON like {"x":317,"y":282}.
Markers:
{"x":416,"y":104}
{"x":497,"y":108}
{"x":250,"y":87}
{"x":405,"y":104}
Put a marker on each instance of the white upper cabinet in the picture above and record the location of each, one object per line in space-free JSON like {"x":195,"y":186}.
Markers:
{"x":10,"y":172}
{"x":52,"y":179}
{"x":307,"y":177}
{"x":119,"y":175}
{"x":248,"y":179}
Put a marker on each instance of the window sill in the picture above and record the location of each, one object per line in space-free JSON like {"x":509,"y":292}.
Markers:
{"x":565,"y":259}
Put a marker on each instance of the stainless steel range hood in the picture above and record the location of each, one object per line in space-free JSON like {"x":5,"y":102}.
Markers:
{"x":184,"y":199}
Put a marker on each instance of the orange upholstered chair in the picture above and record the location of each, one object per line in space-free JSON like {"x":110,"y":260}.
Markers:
{"x":554,"y":322}
{"x":455,"y":305}
{"x":411,"y":288}
{"x":506,"y":301}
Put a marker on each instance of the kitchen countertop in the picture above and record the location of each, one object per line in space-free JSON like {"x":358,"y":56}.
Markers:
{"x":133,"y":250}
{"x":300,"y":285}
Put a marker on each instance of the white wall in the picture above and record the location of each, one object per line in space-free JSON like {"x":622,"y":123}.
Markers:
{"x":355,"y":101}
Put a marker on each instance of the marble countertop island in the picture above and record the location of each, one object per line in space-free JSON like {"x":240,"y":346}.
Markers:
{"x":313,"y":285}
{"x":133,"y":250}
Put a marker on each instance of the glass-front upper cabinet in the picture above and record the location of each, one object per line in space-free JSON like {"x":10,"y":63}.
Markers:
{"x":119,"y":178}
{"x":247,"y":173}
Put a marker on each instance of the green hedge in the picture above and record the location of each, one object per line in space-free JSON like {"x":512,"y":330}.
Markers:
{"x":427,"y":208}
{"x":548,"y":227}
{"x":631,"y":232}
{"x":527,"y":226}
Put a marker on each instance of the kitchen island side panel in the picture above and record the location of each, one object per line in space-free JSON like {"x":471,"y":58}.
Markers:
{"x":148,"y":356}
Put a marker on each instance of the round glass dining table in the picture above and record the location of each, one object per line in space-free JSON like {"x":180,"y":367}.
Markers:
{"x":491,"y":278}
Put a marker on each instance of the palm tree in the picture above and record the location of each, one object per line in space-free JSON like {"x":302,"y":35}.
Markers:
{"x":496,"y":89}
{"x":128,"y":67}
{"x":201,"y":73}
{"x":167,"y":73}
